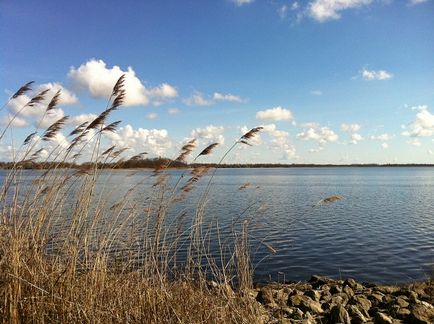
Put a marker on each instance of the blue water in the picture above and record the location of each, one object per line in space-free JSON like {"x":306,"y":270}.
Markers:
{"x":382,"y":231}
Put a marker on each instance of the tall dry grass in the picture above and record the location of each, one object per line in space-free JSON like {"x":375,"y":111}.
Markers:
{"x":72,"y":249}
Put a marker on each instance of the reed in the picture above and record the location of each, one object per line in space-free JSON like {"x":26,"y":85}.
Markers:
{"x":73,"y":249}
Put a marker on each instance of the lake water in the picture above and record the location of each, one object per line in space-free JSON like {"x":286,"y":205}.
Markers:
{"x":382,"y":231}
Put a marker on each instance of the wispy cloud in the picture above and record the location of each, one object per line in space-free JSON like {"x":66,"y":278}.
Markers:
{"x":199,"y":99}
{"x":226,"y":97}
{"x":240,"y":3}
{"x":282,"y":11}
{"x":416,"y":2}
{"x":324,"y":10}
{"x":316,"y":92}
{"x":371,"y":75}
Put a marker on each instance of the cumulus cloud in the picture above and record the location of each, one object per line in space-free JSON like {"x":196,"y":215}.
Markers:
{"x":314,"y":132}
{"x":95,"y":77}
{"x":278,"y":140}
{"x":423,"y":125}
{"x":66,"y":96}
{"x":14,"y":122}
{"x":371,"y":75}
{"x":324,"y":10}
{"x":209,"y":134}
{"x":240,"y":3}
{"x":274,"y":114}
{"x":154,"y":141}
{"x":351,"y":128}
{"x":385,"y":145}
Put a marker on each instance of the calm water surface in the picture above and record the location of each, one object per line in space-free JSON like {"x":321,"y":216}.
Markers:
{"x":382,"y":231}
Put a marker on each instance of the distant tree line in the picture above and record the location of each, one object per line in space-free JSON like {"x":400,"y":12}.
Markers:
{"x":158,"y":163}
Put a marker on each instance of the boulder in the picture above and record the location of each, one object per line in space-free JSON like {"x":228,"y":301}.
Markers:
{"x":362,"y":303}
{"x":422,"y":313}
{"x":356,"y":315}
{"x":338,"y":314}
{"x":382,"y":318}
{"x":313,"y":294}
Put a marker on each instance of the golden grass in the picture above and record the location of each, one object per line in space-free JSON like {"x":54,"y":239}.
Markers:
{"x":72,"y":251}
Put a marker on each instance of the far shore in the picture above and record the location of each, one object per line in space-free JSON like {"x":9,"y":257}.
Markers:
{"x":162,"y":163}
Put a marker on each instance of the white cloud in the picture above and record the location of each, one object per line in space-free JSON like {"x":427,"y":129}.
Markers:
{"x":274,"y":114}
{"x":323,"y":10}
{"x":385,"y":145}
{"x":209,"y":134}
{"x":152,"y":116}
{"x":278,"y":140}
{"x":240,"y":3}
{"x":355,"y":138}
{"x":423,"y":125}
{"x":95,"y":77}
{"x":316,"y":150}
{"x":226,"y":97}
{"x":316,"y":92}
{"x":430,"y":152}
{"x":414,"y":142}
{"x":197,"y":99}
{"x":371,"y":75}
{"x":383,"y":137}
{"x":282,"y":11}
{"x":80,"y":119}
{"x":295,"y":5}
{"x":351,"y":128}
{"x":416,"y":2}
{"x":14,"y":122}
{"x":154,"y":141}
{"x":66,"y":96}
{"x":322,"y":135}
{"x":173,"y":111}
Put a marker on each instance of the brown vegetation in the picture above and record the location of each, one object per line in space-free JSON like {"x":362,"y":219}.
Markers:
{"x":73,"y":251}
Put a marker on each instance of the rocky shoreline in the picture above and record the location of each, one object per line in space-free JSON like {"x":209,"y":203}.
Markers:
{"x":324,"y":300}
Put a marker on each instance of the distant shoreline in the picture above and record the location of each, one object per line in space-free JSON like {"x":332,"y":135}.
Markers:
{"x":176,"y":165}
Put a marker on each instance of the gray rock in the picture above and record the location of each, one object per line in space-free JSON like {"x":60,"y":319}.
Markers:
{"x":362,"y":303}
{"x":353,"y":284}
{"x":401,"y":302}
{"x":376,"y":298}
{"x":422,"y":313}
{"x":306,"y":304}
{"x":382,"y":318}
{"x":335,"y":289}
{"x":403,"y":313}
{"x":356,"y":315}
{"x":348,"y":291}
{"x":338,"y":314}
{"x":313,"y":294}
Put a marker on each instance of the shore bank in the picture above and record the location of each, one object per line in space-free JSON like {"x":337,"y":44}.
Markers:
{"x":324,"y":300}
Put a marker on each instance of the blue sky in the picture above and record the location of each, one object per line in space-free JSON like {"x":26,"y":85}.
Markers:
{"x":331,"y":81}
